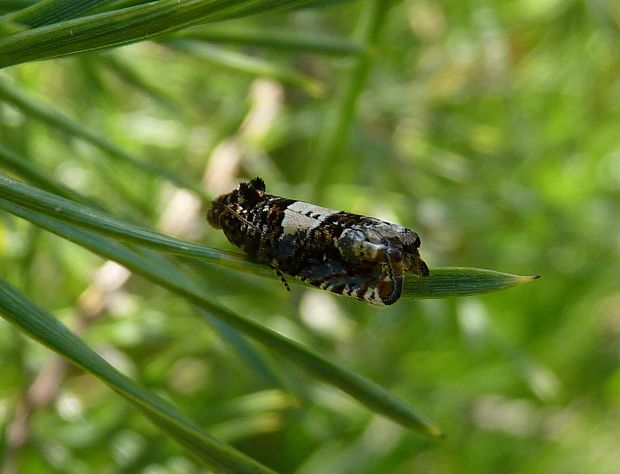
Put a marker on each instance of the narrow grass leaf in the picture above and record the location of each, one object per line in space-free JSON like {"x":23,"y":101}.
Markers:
{"x":359,"y":388}
{"x":249,"y":65}
{"x":278,"y":40}
{"x":128,"y":74}
{"x":126,"y":26}
{"x":83,"y":216}
{"x":118,"y":4}
{"x":46,"y":329}
{"x":46,"y":12}
{"x":461,"y":281}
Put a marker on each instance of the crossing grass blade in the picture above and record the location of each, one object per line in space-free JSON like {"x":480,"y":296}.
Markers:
{"x":125,"y":26}
{"x":277,"y":40}
{"x":130,"y":75}
{"x":46,"y":12}
{"x":43,"y":327}
{"x":249,"y":65}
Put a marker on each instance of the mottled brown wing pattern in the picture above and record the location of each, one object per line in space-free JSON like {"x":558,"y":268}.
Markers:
{"x":348,"y":254}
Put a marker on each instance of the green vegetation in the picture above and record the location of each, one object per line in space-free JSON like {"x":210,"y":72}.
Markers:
{"x":490,"y":129}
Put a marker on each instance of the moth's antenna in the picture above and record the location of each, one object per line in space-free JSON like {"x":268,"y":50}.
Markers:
{"x":241,"y":218}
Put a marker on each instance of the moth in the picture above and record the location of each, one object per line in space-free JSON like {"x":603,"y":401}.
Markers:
{"x":348,"y":254}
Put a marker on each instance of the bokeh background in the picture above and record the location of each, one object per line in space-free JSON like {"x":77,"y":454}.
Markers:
{"x":491,"y":128}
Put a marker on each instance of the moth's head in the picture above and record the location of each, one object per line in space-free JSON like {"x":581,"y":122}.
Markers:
{"x":246,"y":196}
{"x":377,"y":231}
{"x":413,"y":263}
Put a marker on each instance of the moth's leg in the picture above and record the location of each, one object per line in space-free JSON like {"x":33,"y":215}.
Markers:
{"x":282,"y":279}
{"x":390,"y":285}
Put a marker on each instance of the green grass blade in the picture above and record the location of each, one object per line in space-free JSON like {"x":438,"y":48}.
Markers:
{"x":359,"y":388}
{"x":279,"y":40}
{"x":46,"y":329}
{"x":126,"y":26}
{"x":46,"y":12}
{"x":460,"y":281}
{"x":118,"y":4}
{"x":248,"y":65}
{"x":12,"y":94}
{"x":130,"y":75}
{"x":82,"y":216}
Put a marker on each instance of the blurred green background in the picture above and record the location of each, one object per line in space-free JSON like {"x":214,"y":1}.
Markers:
{"x":490,"y":128}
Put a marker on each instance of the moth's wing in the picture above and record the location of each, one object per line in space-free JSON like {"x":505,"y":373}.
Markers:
{"x":335,"y":277}
{"x":301,"y":216}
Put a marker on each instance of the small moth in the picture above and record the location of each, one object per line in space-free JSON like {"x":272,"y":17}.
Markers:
{"x":348,"y":254}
